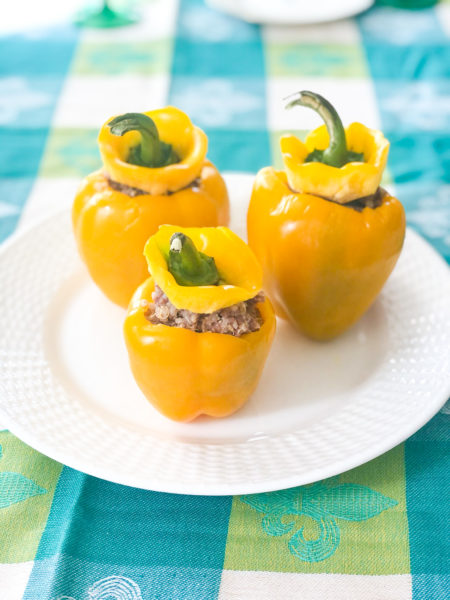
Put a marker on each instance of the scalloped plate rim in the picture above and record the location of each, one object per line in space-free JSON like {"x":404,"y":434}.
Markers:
{"x":245,"y":487}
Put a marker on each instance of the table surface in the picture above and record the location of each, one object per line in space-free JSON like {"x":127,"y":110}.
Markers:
{"x":384,"y":533}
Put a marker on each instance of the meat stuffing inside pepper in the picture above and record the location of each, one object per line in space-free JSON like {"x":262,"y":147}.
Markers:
{"x":237,"y":320}
{"x":133,"y":192}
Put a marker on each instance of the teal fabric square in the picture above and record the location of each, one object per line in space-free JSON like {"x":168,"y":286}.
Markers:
{"x":28,"y":101}
{"x":391,"y":26}
{"x":437,"y":429}
{"x":64,"y":577}
{"x":430,"y":587}
{"x":219,"y":59}
{"x":32,"y":69}
{"x":428,"y":211}
{"x":87,"y":512}
{"x":418,"y":157}
{"x":234,"y":150}
{"x":46,"y":52}
{"x":427,"y":493}
{"x":168,"y":544}
{"x":21,"y":150}
{"x":414,"y":105}
{"x":399,"y":64}
{"x":199,"y":22}
{"x":218,"y":78}
{"x":221,"y":102}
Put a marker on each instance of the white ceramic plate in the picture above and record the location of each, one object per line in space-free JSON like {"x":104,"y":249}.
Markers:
{"x":320,"y":409}
{"x":291,"y":12}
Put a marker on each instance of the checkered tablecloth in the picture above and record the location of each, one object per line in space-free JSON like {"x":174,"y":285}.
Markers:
{"x":68,"y":536}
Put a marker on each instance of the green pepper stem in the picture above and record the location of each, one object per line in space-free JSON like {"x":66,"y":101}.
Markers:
{"x":337,"y":153}
{"x":151,"y":152}
{"x":189,"y":266}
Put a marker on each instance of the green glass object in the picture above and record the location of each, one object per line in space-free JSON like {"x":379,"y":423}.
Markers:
{"x":105,"y":17}
{"x":408,"y":4}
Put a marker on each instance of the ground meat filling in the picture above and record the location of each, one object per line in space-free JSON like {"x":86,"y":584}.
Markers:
{"x":236,"y":320}
{"x":126,"y":189}
{"x":133,"y":192}
{"x":373,"y":201}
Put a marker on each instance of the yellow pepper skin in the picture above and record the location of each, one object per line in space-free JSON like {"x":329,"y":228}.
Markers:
{"x":111,"y":227}
{"x":324,"y":263}
{"x":184,"y":373}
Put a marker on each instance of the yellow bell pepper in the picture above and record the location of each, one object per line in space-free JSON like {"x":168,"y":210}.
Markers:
{"x":167,"y":181}
{"x":326,"y":235}
{"x":186,"y":373}
{"x":351,"y":181}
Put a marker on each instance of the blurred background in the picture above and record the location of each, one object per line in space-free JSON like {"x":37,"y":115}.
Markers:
{"x":66,"y":67}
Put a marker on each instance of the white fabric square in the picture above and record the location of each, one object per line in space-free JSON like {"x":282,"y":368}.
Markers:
{"x":262,"y":585}
{"x":13,"y":580}
{"x":443,"y":13}
{"x":87,"y":101}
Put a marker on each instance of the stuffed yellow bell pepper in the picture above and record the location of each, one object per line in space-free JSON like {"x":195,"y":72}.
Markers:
{"x":154,"y":172}
{"x":199,"y":330}
{"x":325,"y":233}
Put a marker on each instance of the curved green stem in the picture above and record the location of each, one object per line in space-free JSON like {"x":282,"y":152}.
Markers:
{"x":189,"y":266}
{"x":337,"y":153}
{"x":151,"y":152}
